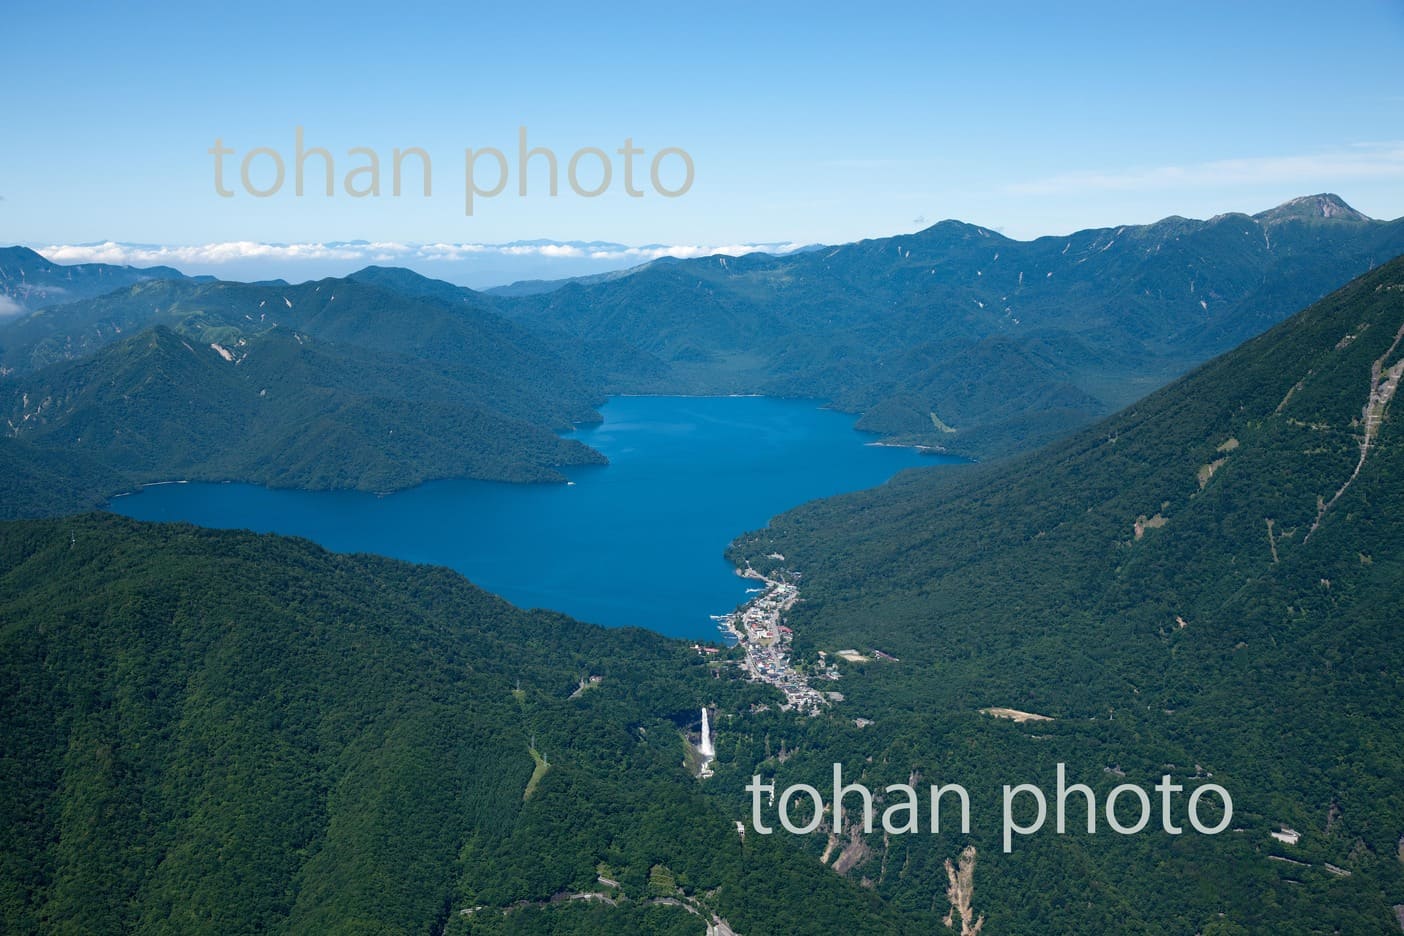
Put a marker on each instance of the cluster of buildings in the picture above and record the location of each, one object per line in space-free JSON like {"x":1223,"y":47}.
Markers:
{"x":758,"y":628}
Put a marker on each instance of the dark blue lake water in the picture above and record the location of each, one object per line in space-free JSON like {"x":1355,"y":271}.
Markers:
{"x":637,"y":542}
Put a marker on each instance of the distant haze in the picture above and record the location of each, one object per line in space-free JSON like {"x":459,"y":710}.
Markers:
{"x":477,"y":266}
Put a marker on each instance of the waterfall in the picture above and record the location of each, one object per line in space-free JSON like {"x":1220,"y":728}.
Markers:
{"x":705,"y":748}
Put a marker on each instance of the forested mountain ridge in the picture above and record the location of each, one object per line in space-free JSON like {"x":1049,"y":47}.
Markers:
{"x":614,"y":361}
{"x":228,"y":733}
{"x":959,"y":337}
{"x":280,"y":409}
{"x":331,"y":384}
{"x":954,"y":337}
{"x":1206,"y":583}
{"x":30,"y":281}
{"x":510,"y":361}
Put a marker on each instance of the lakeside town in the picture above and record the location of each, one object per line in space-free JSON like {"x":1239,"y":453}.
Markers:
{"x":758,"y":627}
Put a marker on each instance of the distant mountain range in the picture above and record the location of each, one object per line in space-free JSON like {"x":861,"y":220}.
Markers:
{"x":28,"y":281}
{"x":479,"y":265}
{"x":954,"y":338}
{"x":963,"y":339}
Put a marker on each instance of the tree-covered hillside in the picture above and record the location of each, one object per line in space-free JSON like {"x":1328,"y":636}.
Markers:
{"x":280,"y":409}
{"x":1206,"y":584}
{"x":207,"y":732}
{"x":333,"y":384}
{"x":959,"y":337}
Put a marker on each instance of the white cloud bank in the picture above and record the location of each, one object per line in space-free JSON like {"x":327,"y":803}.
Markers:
{"x":207,"y":255}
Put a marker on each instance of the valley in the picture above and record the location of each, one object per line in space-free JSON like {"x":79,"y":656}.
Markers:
{"x":636,"y":542}
{"x":1200,"y":585}
{"x":914,"y":334}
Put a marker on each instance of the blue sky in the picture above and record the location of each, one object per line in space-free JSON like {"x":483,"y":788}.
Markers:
{"x":805,"y":122}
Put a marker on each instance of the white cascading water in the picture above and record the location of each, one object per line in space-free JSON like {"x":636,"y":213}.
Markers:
{"x":705,"y":748}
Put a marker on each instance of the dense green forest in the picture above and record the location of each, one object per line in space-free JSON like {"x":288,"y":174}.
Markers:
{"x":287,"y":411}
{"x":1206,"y":584}
{"x":335,"y":384}
{"x":228,"y":733}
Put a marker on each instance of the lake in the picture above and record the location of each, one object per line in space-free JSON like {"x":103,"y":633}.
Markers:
{"x":637,"y":542}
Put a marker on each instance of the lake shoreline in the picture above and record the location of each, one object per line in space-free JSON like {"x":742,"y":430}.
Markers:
{"x":685,"y":476}
{"x":760,"y":630}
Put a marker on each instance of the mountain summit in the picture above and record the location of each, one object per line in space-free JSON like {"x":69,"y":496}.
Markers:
{"x":1005,"y":343}
{"x":1313,"y":207}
